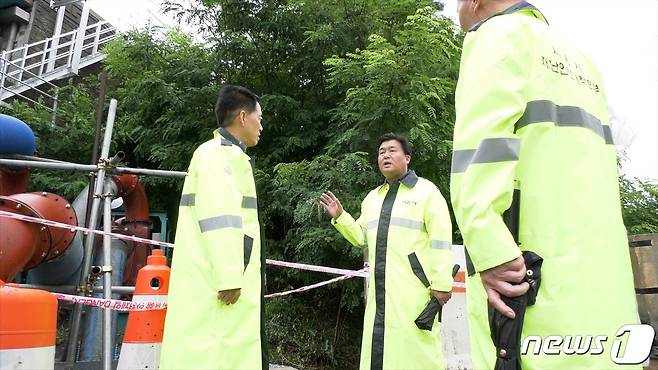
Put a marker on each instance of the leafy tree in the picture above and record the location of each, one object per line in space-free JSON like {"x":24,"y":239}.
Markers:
{"x":332,"y":76}
{"x":404,"y":85}
{"x":640,"y":205}
{"x":69,"y":138}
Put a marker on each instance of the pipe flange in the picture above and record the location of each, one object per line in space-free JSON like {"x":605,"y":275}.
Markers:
{"x":55,"y":208}
{"x":62,"y":212}
{"x":43,"y":239}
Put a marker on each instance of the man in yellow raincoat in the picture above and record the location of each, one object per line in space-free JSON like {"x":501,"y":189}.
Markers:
{"x":214,"y":316}
{"x":406,"y":227}
{"x":532,"y":139}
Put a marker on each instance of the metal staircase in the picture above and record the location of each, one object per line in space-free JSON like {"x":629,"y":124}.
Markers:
{"x":28,"y":72}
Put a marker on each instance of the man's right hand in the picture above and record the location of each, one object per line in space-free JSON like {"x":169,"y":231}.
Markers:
{"x":331,"y":204}
{"x":505,"y":280}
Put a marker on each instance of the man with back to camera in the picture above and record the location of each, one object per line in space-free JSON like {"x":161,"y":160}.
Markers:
{"x":532,"y":134}
{"x":215,"y":308}
{"x":406,"y":227}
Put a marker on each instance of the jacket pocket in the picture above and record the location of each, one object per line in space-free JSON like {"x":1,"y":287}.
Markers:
{"x":248,"y":246}
{"x":417,"y":268}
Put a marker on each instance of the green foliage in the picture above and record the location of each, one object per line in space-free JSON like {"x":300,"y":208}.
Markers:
{"x":166,"y":92}
{"x":640,"y":205}
{"x":313,"y":335}
{"x":405,"y":85}
{"x":71,"y":137}
{"x":332,"y":76}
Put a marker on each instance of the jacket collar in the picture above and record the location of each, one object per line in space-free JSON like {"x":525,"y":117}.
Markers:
{"x":521,"y":6}
{"x":409,"y":179}
{"x":223,"y":133}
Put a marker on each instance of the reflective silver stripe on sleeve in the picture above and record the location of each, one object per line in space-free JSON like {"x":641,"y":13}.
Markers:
{"x":492,"y":150}
{"x":607,"y":134}
{"x":372,"y":224}
{"x":220,"y":222}
{"x":461,"y":159}
{"x":407,"y":223}
{"x":441,"y":244}
{"x":249,"y":202}
{"x":540,"y":111}
{"x":187,"y":200}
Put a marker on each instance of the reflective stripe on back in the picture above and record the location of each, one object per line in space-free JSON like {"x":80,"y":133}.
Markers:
{"x":542,"y":111}
{"x":220,"y":222}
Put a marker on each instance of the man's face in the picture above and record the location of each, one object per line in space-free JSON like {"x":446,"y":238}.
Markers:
{"x":391,"y":159}
{"x":467,"y":13}
{"x":252,"y":126}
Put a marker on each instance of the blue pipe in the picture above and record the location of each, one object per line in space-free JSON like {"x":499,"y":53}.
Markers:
{"x":15,"y":136}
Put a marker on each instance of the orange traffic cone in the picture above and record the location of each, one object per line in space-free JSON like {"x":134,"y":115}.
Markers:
{"x":143,"y":337}
{"x":28,"y":326}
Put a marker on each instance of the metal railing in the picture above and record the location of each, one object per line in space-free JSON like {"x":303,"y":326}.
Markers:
{"x":31,"y":68}
{"x":7,"y":86}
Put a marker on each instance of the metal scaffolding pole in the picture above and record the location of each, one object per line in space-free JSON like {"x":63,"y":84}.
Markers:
{"x":66,"y":289}
{"x":107,"y":277}
{"x":89,"y":242}
{"x":49,"y":165}
{"x":142,"y":171}
{"x":17,"y":163}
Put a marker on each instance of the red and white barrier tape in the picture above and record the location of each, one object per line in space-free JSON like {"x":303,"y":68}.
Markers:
{"x":344,"y":274}
{"x":329,"y":270}
{"x":119,"y":305}
{"x":86,"y":231}
{"x":113,"y":304}
{"x":313,"y":286}
{"x":299,"y":266}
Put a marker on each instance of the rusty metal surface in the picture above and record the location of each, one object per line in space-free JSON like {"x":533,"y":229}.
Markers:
{"x":52,"y":207}
{"x":25,"y":245}
{"x":39,"y":237}
{"x":13,"y":181}
{"x":137,"y":222}
{"x":17,"y":245}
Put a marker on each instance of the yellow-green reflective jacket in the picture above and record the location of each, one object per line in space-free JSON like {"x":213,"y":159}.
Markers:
{"x":217,"y":248}
{"x":407,"y":230}
{"x":532,"y":115}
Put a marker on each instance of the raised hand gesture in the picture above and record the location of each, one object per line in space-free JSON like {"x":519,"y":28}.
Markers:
{"x":331,"y":204}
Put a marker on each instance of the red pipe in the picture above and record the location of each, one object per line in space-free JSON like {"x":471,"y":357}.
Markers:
{"x":25,"y":245}
{"x":137,"y":222}
{"x":17,"y":247}
{"x":13,"y":181}
{"x":134,"y":197}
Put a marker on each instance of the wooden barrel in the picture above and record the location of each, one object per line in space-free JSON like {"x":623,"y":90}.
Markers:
{"x":644,"y":258}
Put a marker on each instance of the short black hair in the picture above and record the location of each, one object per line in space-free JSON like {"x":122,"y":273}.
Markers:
{"x":404,"y":143}
{"x":232,"y":99}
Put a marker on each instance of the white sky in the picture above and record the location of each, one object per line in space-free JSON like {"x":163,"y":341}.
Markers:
{"x":128,"y":14}
{"x":620,"y":36}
